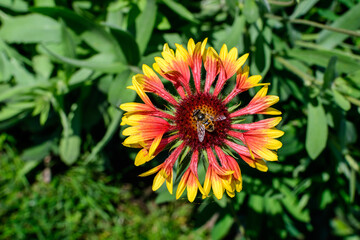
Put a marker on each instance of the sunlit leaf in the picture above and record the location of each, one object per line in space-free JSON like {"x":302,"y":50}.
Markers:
{"x":349,"y":20}
{"x":31,"y":28}
{"x":145,"y":24}
{"x":341,"y":101}
{"x":251,"y":11}
{"x":303,"y":7}
{"x":180,"y":10}
{"x":99,"y":62}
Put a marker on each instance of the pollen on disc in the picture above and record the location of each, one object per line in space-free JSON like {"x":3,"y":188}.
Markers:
{"x":187,"y":124}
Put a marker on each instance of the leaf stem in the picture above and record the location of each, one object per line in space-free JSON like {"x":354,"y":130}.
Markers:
{"x":282,"y":3}
{"x":308,"y":80}
{"x":314,"y":24}
{"x":311,"y":45}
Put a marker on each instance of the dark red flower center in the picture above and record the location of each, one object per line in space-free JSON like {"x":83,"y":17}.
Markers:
{"x":202,"y":121}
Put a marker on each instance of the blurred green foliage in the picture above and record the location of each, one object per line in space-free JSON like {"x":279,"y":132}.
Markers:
{"x":64,"y":68}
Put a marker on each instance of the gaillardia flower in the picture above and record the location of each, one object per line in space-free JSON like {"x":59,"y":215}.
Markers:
{"x":198,"y":122}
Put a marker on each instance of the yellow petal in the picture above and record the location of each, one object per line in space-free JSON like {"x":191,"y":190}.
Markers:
{"x":261,"y":165}
{"x":232,"y":55}
{"x":241,"y":61}
{"x":271,"y":111}
{"x":151,"y":171}
{"x":192,"y":192}
{"x":203,"y":45}
{"x":155,"y":144}
{"x":169,"y":183}
{"x":161,"y":64}
{"x":261,"y":93}
{"x":254,"y":79}
{"x":207,"y":182}
{"x":168,"y":58}
{"x":159,"y":180}
{"x":181,"y":53}
{"x":223,"y":52}
{"x":230,"y":194}
{"x":142,"y":157}
{"x":130,"y":131}
{"x":217,"y":187}
{"x":273,"y":144}
{"x":191,"y":46}
{"x":182,"y":185}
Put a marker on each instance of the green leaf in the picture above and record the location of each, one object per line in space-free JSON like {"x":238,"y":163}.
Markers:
{"x":345,"y":87}
{"x":345,"y":63}
{"x":8,"y":93}
{"x":354,"y":77}
{"x":21,"y":74}
{"x":118,"y":93}
{"x":341,"y":101}
{"x":70,"y":142}
{"x":93,"y":34}
{"x":127,"y":44}
{"x":145,"y":23}
{"x":5,"y":68}
{"x":26,"y":168}
{"x":15,"y":5}
{"x":291,"y":143}
{"x":351,"y":136}
{"x":45,"y":3}
{"x":42,"y":66}
{"x":149,"y":59}
{"x":289,"y":201}
{"x":70,"y":149}
{"x":272,"y":206}
{"x":302,"y":8}
{"x":13,"y":109}
{"x":68,"y":46}
{"x":326,"y":198}
{"x":81,"y":76}
{"x":330,"y":73}
{"x":37,"y":152}
{"x":100,"y":62}
{"x":261,"y":60}
{"x":233,"y":37}
{"x":256,"y":202}
{"x":317,"y":129}
{"x":31,"y":28}
{"x":348,"y":20}
{"x":251,"y":11}
{"x":180,"y":10}
{"x":222,"y":227}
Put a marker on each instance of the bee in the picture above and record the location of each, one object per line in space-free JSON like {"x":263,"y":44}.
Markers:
{"x":205,"y":122}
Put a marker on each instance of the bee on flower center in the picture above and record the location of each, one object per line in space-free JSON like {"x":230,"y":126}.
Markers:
{"x":205,"y":122}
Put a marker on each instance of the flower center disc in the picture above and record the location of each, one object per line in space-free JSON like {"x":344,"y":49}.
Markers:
{"x":202,"y":109}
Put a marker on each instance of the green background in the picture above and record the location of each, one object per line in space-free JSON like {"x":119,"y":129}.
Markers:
{"x":64,"y":68}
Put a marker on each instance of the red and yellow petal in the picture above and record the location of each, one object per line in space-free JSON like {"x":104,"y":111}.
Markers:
{"x":260,"y":103}
{"x":262,"y":124}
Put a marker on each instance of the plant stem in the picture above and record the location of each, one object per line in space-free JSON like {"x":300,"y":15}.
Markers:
{"x":314,"y":24}
{"x":281,"y":3}
{"x":308,"y":80}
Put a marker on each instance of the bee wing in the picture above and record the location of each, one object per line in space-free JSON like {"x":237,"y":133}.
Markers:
{"x":220,"y":118}
{"x":200,"y":131}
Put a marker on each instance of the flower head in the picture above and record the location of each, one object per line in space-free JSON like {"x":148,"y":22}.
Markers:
{"x":199,"y":122}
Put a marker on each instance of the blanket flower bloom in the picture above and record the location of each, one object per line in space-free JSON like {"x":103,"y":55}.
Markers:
{"x":197,"y":122}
